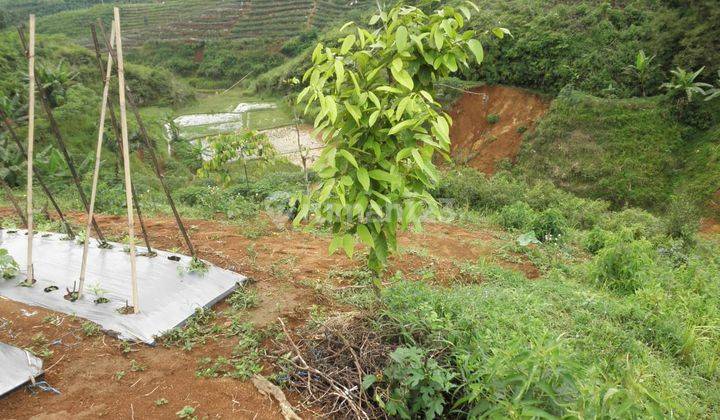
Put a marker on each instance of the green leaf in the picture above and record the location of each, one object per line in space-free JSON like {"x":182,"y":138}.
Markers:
{"x":335,"y":243}
{"x":326,"y":190}
{"x":363,"y":178}
{"x":381,"y":175}
{"x":354,"y":112}
{"x":477,"y":50}
{"x":365,"y":236}
{"x":349,"y":157}
{"x":401,"y":126}
{"x":348,"y":244}
{"x":401,"y":38}
{"x":339,"y":73}
{"x":373,"y":118}
{"x":403,"y":77}
{"x":348,"y":42}
{"x":368,"y":381}
{"x":378,"y":210}
{"x":423,"y":165}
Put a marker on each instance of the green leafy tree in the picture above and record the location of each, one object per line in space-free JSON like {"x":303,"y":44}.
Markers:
{"x":56,"y":81}
{"x":228,"y":148}
{"x":373,"y":94}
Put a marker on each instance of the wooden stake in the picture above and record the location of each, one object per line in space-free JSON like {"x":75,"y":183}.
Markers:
{"x":126,"y":158}
{"x":96,"y":173}
{"x":30,"y":149}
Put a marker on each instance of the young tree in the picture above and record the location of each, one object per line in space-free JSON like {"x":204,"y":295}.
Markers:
{"x":380,"y":123}
{"x":227,"y":148}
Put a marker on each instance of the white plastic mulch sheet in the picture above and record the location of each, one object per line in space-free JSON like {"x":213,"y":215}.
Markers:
{"x":167,"y":296}
{"x":17,"y":367}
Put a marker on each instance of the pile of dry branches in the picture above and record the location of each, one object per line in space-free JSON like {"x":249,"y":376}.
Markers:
{"x":327,"y":365}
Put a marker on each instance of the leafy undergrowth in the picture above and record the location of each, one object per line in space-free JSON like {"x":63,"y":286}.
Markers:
{"x":623,"y":323}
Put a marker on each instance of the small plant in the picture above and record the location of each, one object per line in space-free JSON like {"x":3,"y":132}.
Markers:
{"x":99,"y":293}
{"x":195,"y":266}
{"x":160,"y":402}
{"x":8,"y":266}
{"x":418,"y":384}
{"x":549,"y":225}
{"x":136,"y":366}
{"x":243,"y":299}
{"x":641,"y":70}
{"x":187,"y":412}
{"x":90,"y":329}
{"x":81,"y":237}
{"x":493,"y":118}
{"x":683,"y":84}
{"x":522,"y":129}
{"x":40,"y":346}
{"x":619,"y":266}
{"x":119,"y":375}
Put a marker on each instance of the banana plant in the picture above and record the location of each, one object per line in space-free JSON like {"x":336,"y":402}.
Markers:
{"x":641,"y":69}
{"x":683,"y":83}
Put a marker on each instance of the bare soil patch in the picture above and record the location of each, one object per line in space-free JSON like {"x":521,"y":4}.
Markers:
{"x":481,"y":143}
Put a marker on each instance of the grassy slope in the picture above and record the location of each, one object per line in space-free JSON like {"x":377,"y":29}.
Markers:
{"x":620,"y":150}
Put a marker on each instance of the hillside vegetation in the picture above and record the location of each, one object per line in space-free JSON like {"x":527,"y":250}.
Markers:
{"x":568,"y":279}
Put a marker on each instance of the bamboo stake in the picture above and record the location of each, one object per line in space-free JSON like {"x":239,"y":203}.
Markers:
{"x":126,"y":158}
{"x":38,"y":176}
{"x":30,"y":150}
{"x":96,"y":173}
{"x":15,"y":204}
{"x":156,"y":164}
{"x":118,"y":138}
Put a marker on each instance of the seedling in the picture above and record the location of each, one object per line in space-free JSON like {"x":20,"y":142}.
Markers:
{"x":187,"y":412}
{"x":119,"y":375}
{"x":99,"y":293}
{"x":136,"y":366}
{"x":161,"y":402}
{"x":196,"y":266}
{"x":50,"y":289}
{"x":127,"y":309}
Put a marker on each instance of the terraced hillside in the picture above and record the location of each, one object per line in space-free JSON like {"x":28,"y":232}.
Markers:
{"x":199,"y":20}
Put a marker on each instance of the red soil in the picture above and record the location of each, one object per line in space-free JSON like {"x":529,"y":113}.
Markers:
{"x":481,"y":144}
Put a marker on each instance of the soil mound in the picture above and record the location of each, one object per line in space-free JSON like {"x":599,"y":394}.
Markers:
{"x":489,"y":123}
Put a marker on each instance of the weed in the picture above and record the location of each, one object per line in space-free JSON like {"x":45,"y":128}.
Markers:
{"x":197,"y":330}
{"x":90,"y":329}
{"x":493,"y":118}
{"x":40,"y":346}
{"x":187,"y":412}
{"x":136,"y":366}
{"x":119,"y":375}
{"x":243,"y":299}
{"x":161,"y":401}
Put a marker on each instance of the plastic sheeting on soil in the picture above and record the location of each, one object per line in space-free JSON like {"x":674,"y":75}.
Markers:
{"x":17,"y":367}
{"x":167,"y":295}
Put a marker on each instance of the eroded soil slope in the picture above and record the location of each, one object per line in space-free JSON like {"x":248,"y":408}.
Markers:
{"x":489,"y":123}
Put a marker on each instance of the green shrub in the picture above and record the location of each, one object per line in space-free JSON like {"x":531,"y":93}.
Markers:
{"x":596,"y":239}
{"x":516,"y":216}
{"x":682,"y":219}
{"x":640,"y":223}
{"x":619,"y":266}
{"x":549,"y":225}
{"x":493,"y":118}
{"x":470,"y":188}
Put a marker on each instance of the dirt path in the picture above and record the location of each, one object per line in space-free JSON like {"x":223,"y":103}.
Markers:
{"x":283,"y":263}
